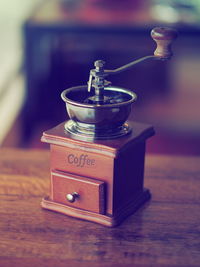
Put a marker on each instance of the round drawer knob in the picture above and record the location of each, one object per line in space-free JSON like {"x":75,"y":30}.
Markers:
{"x":72,"y":197}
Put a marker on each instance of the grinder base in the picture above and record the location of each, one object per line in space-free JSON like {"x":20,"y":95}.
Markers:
{"x":107,"y":220}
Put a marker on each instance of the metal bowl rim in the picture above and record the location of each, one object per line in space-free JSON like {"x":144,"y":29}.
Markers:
{"x":118,"y":89}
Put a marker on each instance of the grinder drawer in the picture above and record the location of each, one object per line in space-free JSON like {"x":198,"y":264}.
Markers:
{"x":78,"y":191}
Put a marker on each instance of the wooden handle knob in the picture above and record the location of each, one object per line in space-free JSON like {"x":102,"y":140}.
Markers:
{"x":163,"y":36}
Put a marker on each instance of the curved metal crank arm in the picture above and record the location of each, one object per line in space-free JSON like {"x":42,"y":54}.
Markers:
{"x":129,"y":65}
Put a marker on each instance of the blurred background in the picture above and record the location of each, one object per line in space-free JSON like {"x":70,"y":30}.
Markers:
{"x":49,"y":45}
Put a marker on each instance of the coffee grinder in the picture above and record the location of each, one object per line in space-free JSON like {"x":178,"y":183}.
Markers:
{"x":97,"y":156}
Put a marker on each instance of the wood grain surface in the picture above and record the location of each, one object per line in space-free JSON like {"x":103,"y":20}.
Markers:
{"x":165,"y":232}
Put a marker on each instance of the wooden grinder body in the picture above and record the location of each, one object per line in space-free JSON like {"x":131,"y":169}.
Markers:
{"x":106,"y":175}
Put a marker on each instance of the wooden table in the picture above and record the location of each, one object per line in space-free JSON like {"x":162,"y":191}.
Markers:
{"x":165,"y":232}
